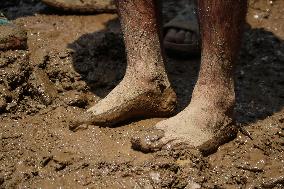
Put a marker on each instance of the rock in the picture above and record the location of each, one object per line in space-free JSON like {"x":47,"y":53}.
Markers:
{"x":192,"y":185}
{"x":3,"y":104}
{"x":74,"y":98}
{"x":42,"y":87}
{"x":1,"y":180}
{"x":62,"y":159}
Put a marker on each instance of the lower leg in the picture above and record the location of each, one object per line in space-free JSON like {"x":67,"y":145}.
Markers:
{"x":207,"y":122}
{"x":145,"y":89}
{"x":221,"y":30}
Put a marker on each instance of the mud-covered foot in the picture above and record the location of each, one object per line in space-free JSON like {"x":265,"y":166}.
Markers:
{"x":195,"y":127}
{"x":145,"y":89}
{"x":83,"y":6}
{"x":11,"y":36}
{"x":132,"y":98}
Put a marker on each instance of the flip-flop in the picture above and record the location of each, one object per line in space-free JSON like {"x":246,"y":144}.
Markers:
{"x":11,"y":36}
{"x":83,"y":6}
{"x":181,"y":34}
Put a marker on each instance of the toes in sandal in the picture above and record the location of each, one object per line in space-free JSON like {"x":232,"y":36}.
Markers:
{"x":182,"y":36}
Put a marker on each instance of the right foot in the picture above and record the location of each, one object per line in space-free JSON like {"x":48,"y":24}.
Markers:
{"x":132,"y":98}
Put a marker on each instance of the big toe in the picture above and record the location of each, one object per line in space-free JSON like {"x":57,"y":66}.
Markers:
{"x":148,"y":141}
{"x":171,"y":35}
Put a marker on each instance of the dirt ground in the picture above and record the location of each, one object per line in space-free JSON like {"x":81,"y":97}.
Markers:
{"x":73,"y":61}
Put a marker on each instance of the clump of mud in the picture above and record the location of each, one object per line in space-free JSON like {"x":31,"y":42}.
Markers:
{"x":14,"y":74}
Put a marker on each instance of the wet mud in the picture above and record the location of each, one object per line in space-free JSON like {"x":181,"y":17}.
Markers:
{"x":73,"y":61}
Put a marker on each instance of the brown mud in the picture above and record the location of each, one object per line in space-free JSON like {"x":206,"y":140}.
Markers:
{"x":72,"y":61}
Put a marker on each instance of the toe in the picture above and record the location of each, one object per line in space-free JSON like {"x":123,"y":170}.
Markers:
{"x":180,"y":36}
{"x":171,"y":35}
{"x":148,"y":141}
{"x":188,"y":37}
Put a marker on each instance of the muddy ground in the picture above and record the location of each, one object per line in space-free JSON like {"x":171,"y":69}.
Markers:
{"x":73,"y":61}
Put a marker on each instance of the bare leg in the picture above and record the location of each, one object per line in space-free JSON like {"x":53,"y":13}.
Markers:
{"x":145,"y":90}
{"x":207,"y":122}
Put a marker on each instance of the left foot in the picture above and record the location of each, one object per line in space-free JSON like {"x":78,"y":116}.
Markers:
{"x":197,"y":126}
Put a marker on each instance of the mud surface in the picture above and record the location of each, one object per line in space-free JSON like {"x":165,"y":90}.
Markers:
{"x":75,"y":60}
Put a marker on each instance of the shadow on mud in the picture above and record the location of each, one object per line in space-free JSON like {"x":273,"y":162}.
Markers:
{"x":100,"y":59}
{"x":259,"y":76}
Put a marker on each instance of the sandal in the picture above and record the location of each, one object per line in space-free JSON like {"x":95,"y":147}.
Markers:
{"x":182,"y":33}
{"x":83,"y":6}
{"x":11,"y":36}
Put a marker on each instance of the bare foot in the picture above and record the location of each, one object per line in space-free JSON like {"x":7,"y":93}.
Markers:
{"x":145,"y":89}
{"x":132,"y":98}
{"x":197,"y":126}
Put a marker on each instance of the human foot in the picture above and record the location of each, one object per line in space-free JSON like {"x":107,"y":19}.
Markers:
{"x":198,"y":126}
{"x":132,"y":98}
{"x":207,"y":122}
{"x":83,"y":6}
{"x":182,"y":33}
{"x":11,"y":36}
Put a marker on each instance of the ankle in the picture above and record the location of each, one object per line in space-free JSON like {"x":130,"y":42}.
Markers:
{"x":219,"y":98}
{"x":153,"y":77}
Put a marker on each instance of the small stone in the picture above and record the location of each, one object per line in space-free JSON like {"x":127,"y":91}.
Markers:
{"x":11,"y":106}
{"x":155,"y":176}
{"x":74,"y":98}
{"x":42,"y":87}
{"x":63,"y":158}
{"x":3,"y":104}
{"x":46,"y":160}
{"x":192,"y":185}
{"x":1,"y":180}
{"x":75,"y":128}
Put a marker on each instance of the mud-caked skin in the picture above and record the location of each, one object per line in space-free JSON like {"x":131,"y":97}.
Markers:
{"x":207,"y":122}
